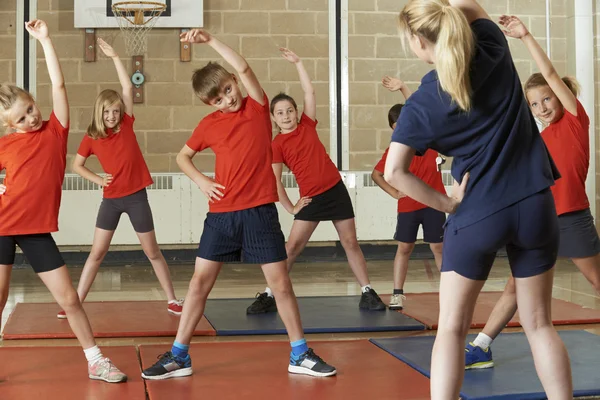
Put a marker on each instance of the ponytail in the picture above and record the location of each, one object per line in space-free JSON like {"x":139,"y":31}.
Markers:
{"x":448,"y":29}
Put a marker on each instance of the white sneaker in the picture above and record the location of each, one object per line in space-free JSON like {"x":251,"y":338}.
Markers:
{"x":397,"y":302}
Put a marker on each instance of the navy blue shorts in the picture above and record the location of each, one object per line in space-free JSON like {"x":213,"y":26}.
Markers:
{"x":253,"y":233}
{"x":578,"y":235}
{"x":408,"y":224}
{"x":528,"y":229}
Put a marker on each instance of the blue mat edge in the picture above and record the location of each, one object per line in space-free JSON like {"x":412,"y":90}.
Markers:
{"x":525,"y":396}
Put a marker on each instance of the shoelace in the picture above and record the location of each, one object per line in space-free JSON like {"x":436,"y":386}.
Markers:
{"x":262,"y":297}
{"x":168,"y":355}
{"x":313,"y":357}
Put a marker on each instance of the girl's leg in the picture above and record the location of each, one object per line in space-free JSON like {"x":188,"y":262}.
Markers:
{"x":458,"y":296}
{"x":100,"y":247}
{"x":346,"y":230}
{"x":161,"y":269}
{"x":5,"y":272}
{"x":590,"y":268}
{"x":534,"y":296}
{"x":299,"y":235}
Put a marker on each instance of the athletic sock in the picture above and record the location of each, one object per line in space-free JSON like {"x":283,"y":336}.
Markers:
{"x":398,"y":291}
{"x":93,"y":354}
{"x":299,"y":347}
{"x":482,"y":340}
{"x":365,"y":288}
{"x":269,"y":292}
{"x":180,"y":350}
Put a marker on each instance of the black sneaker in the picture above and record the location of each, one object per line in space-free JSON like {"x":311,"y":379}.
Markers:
{"x":370,"y":301}
{"x":310,"y":364}
{"x":262,"y":305}
{"x":168,"y":366}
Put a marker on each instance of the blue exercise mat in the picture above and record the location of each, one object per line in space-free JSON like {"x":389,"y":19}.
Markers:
{"x":319,"y":315}
{"x":513,"y":376}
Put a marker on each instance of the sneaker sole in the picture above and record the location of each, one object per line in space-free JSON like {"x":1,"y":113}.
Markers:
{"x":396,"y":307}
{"x":173,"y":374}
{"x":305,"y":371}
{"x":97,"y":378}
{"x":174,"y":312}
{"x":481,"y":365}
{"x":261,"y":312}
{"x":59,"y":316}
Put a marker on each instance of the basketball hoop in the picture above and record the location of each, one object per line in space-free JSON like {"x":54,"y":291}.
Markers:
{"x":136,"y":19}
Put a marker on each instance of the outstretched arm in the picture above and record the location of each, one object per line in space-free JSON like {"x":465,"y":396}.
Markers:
{"x":310,"y":104}
{"x":60,"y":103}
{"x":126,"y":84}
{"x":395,"y":84}
{"x":515,"y":28}
{"x":238,"y":62}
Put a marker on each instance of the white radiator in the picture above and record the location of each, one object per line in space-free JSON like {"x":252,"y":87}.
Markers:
{"x":179,"y":209}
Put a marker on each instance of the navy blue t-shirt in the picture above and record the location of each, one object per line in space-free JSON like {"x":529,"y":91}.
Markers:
{"x":497,"y":141}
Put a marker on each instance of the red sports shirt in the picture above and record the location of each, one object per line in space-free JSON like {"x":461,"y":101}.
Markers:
{"x":35,"y":170}
{"x":120,"y":155}
{"x":304,"y":154}
{"x":568,"y":142}
{"x":424,"y":168}
{"x":241,"y":142}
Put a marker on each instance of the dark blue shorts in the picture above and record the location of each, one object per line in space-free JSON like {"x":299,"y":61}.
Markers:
{"x":528,"y":229}
{"x":578,"y":235}
{"x":253,"y":233}
{"x":408,"y":224}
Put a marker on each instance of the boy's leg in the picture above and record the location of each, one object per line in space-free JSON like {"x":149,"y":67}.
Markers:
{"x":433,"y":233}
{"x":177,"y":362}
{"x":303,"y":360}
{"x":299,"y":235}
{"x":346,"y":229}
{"x":400,"y":270}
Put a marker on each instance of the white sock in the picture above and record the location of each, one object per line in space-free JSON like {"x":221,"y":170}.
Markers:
{"x":269,"y":292}
{"x":365,"y":288}
{"x":93,"y":354}
{"x":482,"y":340}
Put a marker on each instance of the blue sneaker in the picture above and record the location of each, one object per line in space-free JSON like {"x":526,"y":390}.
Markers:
{"x":311,"y":364}
{"x":477,"y":358}
{"x":169,"y":366}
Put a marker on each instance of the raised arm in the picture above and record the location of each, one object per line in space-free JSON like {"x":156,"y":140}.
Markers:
{"x":126,"y":84}
{"x":211,"y":189}
{"x":310,"y":104}
{"x":238,"y":62}
{"x":60,"y":103}
{"x":395,"y":84}
{"x":515,"y":28}
{"x":80,"y":169}
{"x":283,"y":197}
{"x":471,"y":9}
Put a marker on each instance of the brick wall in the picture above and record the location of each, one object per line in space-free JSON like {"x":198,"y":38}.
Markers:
{"x":256,"y":28}
{"x":375,"y":50}
{"x":7,"y":41}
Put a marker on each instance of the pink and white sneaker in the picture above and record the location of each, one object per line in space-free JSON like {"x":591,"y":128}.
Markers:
{"x":105,"y":370}
{"x":61,"y":314}
{"x":175,"y":307}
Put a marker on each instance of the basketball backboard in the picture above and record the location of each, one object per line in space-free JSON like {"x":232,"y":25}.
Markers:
{"x":178,"y":14}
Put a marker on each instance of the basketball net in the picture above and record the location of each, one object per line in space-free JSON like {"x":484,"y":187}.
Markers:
{"x":136,"y":19}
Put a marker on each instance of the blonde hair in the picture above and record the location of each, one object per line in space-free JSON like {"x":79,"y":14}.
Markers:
{"x":447,"y":28}
{"x":207,"y":81}
{"x":537,"y":80}
{"x":106,"y":98}
{"x":9,"y":94}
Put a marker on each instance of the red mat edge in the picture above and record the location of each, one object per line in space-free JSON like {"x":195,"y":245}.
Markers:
{"x":101,"y":335}
{"x":511,"y":324}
